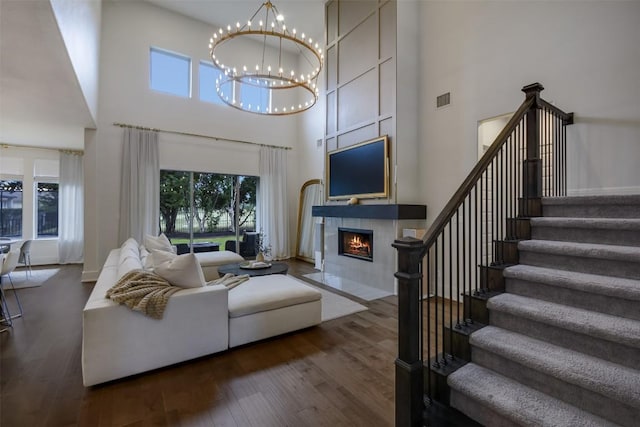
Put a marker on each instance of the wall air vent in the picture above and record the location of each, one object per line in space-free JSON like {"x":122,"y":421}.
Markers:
{"x":443,"y":100}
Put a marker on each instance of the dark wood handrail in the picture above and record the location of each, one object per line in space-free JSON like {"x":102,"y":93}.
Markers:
{"x":567,"y":118}
{"x":470,"y":181}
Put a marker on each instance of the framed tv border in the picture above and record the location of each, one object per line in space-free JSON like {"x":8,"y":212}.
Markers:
{"x":360,"y":170}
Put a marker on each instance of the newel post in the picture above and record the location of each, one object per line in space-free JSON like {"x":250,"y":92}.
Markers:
{"x":409,"y":376}
{"x":532,"y":180}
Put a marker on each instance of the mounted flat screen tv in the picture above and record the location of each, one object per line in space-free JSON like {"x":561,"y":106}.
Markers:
{"x":360,"y":170}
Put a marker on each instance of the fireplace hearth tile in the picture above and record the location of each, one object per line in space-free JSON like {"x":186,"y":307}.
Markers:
{"x":351,"y":287}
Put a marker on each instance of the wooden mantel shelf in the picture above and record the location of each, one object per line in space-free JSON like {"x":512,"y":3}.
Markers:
{"x":371,"y":211}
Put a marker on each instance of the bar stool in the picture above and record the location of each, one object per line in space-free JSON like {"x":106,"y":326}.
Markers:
{"x":8,"y":266}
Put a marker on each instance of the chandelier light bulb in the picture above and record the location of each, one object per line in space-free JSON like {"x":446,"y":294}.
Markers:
{"x":228,"y":27}
{"x":280,"y":17}
{"x":261,"y":23}
{"x":294,"y":31}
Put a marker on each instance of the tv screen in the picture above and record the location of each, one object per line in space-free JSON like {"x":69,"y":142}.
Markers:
{"x":360,"y":170}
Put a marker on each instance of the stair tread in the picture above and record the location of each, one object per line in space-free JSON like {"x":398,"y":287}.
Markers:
{"x":587,"y":250}
{"x":599,"y":325}
{"x":593,"y":283}
{"x":519,"y":403}
{"x":619,"y":199}
{"x":600,"y":376}
{"x":589,"y":223}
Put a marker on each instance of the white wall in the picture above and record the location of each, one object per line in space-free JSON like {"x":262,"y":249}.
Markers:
{"x":129,"y":29}
{"x":586,"y":55}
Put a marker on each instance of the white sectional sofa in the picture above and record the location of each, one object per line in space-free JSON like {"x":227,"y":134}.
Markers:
{"x":118,"y":342}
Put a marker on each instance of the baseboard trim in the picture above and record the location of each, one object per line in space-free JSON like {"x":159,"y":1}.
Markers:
{"x":89,"y":276}
{"x":607,"y":191}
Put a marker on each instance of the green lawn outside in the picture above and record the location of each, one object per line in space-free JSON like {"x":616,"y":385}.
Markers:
{"x":217,"y":239}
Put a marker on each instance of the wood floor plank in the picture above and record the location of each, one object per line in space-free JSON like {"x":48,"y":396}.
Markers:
{"x":340,"y":373}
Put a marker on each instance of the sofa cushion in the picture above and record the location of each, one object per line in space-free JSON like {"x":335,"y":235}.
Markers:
{"x":217,"y":258}
{"x":129,"y":258}
{"x":160,"y":243}
{"x":179,"y":270}
{"x":264,"y":293}
{"x":146,"y":258}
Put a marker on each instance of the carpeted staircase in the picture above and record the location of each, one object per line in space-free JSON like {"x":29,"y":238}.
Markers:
{"x":563,"y":344}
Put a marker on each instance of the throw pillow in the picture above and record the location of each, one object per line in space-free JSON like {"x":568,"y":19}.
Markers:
{"x":179,"y":270}
{"x":146,"y":258}
{"x":160,"y":243}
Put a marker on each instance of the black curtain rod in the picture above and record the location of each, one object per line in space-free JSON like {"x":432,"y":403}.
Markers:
{"x":216,"y":138}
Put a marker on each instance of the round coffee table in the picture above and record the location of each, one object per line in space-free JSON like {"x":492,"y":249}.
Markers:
{"x":276,"y":268}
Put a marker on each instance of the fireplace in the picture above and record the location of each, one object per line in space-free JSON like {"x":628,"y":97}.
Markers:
{"x":355,"y":243}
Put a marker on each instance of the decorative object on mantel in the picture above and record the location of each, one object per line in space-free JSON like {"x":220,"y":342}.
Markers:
{"x":353,"y":201}
{"x":286,"y":63}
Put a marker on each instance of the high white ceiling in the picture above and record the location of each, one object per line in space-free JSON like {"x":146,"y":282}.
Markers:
{"x":305,"y":15}
{"x":41,"y":102}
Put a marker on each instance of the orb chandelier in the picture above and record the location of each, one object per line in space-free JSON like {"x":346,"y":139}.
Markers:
{"x":265,"y":67}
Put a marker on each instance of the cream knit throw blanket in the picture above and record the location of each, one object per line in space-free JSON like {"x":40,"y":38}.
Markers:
{"x":143,"y":291}
{"x":229,"y":280}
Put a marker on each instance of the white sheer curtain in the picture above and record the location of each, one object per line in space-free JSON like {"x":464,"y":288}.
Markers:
{"x":71,"y":209}
{"x":273,"y":214}
{"x":140,"y":185}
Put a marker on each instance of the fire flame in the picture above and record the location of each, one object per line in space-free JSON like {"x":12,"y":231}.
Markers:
{"x":356,"y":244}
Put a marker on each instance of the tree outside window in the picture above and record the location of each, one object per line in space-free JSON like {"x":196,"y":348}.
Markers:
{"x":213,"y":215}
{"x":47,"y":209}
{"x":10,"y":208}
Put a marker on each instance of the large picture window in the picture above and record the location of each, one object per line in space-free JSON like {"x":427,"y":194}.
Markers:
{"x":10,"y":208}
{"x":201,"y":208}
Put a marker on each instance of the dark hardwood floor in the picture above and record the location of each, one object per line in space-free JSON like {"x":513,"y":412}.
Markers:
{"x":340,"y":373}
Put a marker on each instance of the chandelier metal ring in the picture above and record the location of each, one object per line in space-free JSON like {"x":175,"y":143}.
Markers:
{"x":288,"y":75}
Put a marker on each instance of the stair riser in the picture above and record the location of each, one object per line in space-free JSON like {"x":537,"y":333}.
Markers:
{"x":587,"y":235}
{"x":571,"y":297}
{"x":594,"y":346}
{"x":579,"y":397}
{"x":630,"y":270}
{"x":477,"y":411}
{"x":592,"y":211}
